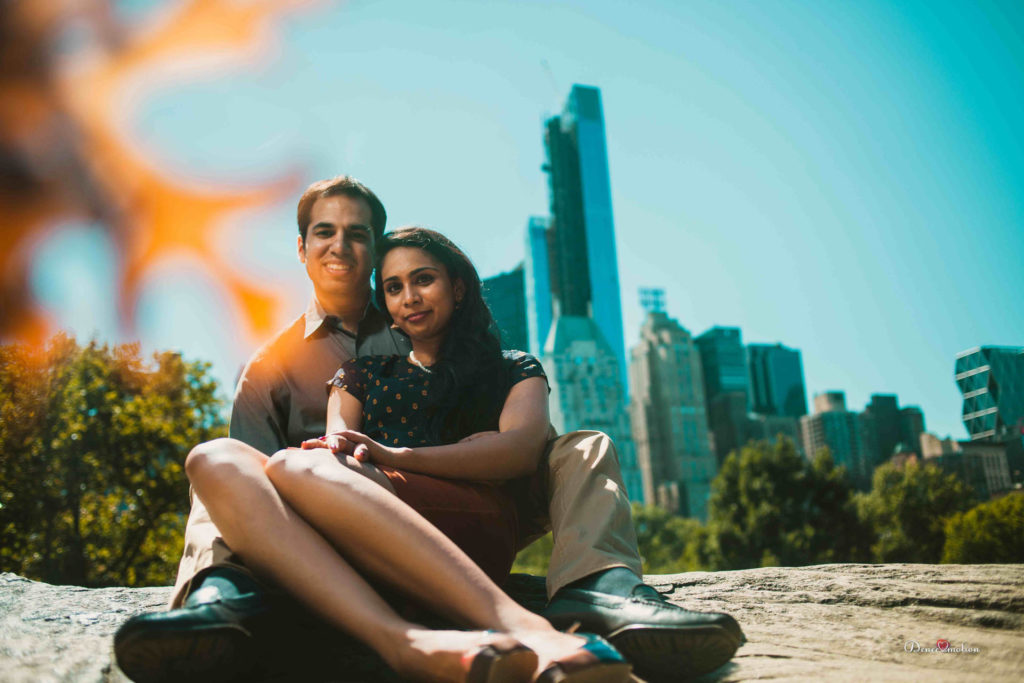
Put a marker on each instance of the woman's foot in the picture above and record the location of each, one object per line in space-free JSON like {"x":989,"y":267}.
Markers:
{"x":575,"y":658}
{"x":463,"y":657}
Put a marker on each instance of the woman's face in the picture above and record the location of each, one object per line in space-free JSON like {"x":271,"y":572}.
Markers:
{"x":420,"y":295}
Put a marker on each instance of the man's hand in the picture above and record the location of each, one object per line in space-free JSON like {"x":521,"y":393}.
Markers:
{"x":366,"y":449}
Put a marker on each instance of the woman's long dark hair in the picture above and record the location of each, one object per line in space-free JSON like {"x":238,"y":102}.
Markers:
{"x":468,"y":383}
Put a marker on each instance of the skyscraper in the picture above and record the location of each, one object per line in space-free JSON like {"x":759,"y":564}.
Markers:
{"x":586,"y":392}
{"x":506,"y":297}
{"x":724,"y":361}
{"x":537,"y":284}
{"x":776,"y":380}
{"x":991,"y":379}
{"x":726,"y":387}
{"x":911,"y":428}
{"x":669,"y":424}
{"x":847,"y":434}
{"x":583,"y":266}
{"x":884,"y":410}
{"x":895,"y":428}
{"x":573,"y":282}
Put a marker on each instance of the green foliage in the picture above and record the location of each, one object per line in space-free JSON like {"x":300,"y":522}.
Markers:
{"x":907,"y":508}
{"x":992,"y":532}
{"x":769,"y":506}
{"x":669,"y":544}
{"x":92,"y":443}
{"x":535,"y":558}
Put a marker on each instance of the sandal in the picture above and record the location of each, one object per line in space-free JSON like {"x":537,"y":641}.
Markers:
{"x":495,"y":664}
{"x":595,"y":662}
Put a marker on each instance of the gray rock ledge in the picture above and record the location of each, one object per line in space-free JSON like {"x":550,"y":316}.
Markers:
{"x":847,"y":622}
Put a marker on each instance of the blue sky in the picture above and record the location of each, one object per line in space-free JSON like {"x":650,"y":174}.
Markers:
{"x":844,"y":178}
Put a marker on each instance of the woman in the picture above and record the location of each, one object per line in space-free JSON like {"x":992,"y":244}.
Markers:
{"x":329,"y":516}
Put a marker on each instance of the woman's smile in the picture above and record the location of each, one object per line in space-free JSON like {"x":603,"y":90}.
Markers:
{"x":418,"y":316}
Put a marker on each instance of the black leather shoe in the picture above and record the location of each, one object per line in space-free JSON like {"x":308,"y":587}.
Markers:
{"x":663,"y":642}
{"x":210,"y":639}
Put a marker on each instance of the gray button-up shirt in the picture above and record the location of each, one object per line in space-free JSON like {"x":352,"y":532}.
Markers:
{"x":281,"y":398}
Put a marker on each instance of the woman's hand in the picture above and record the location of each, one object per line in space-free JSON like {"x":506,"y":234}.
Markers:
{"x":335,"y":442}
{"x":365,"y":449}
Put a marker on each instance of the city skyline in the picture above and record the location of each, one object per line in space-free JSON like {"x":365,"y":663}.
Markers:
{"x":843,"y":179}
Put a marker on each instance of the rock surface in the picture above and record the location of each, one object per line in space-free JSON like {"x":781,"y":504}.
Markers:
{"x":831,"y":622}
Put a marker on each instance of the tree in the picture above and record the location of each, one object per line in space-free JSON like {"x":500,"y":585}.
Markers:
{"x":992,"y":532}
{"x":535,"y":558}
{"x":769,"y":506}
{"x":907,"y":508}
{"x":669,"y":543}
{"x":92,"y":442}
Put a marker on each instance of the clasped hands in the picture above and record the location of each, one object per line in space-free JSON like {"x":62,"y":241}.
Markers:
{"x":358,"y":445}
{"x":364,"y":449}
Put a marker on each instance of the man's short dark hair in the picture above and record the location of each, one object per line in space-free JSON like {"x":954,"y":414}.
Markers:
{"x":341,"y":185}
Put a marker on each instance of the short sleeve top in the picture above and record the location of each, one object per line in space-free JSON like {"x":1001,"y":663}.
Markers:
{"x":393,"y":390}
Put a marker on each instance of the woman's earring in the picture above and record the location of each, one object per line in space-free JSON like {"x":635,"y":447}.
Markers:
{"x":394,"y":326}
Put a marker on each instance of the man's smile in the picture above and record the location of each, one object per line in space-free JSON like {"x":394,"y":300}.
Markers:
{"x":338,"y":267}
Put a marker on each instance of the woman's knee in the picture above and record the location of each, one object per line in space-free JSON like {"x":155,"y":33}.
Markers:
{"x":299,"y":468}
{"x":220,"y":458}
{"x":292,"y":464}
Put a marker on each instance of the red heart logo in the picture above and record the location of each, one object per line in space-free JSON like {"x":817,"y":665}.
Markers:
{"x":942,"y":644}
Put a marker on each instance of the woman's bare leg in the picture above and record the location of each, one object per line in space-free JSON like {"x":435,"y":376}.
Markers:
{"x":277,"y":543}
{"x":389,"y":540}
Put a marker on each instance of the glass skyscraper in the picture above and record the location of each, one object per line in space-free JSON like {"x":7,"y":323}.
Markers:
{"x":506,"y":298}
{"x":724,"y":361}
{"x":538,"y":284}
{"x":991,"y":379}
{"x":583,"y":267}
{"x":669,"y":424}
{"x":586,"y":392}
{"x":776,"y":380}
{"x":848,"y":435}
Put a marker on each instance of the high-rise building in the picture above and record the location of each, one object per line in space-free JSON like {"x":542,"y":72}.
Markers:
{"x":586,"y":392}
{"x":583,"y":266}
{"x":729,"y":423}
{"x":911,"y":428}
{"x":771,"y":427}
{"x":991,"y":379}
{"x":894,"y":428}
{"x":980,"y":464}
{"x":726,"y":387}
{"x":669,"y":424}
{"x":537,"y":284}
{"x":884,"y":410}
{"x":506,"y":297}
{"x":848,"y":435}
{"x":776,"y":380}
{"x":724,"y":361}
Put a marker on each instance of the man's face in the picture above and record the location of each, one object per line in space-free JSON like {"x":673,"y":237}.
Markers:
{"x":338,"y":251}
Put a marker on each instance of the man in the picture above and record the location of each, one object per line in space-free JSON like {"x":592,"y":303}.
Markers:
{"x":218,"y":608}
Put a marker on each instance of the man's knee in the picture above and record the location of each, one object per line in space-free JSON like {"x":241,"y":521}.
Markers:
{"x":589,"y":449}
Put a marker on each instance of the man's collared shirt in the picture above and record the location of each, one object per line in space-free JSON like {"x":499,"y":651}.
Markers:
{"x":281,"y":397}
